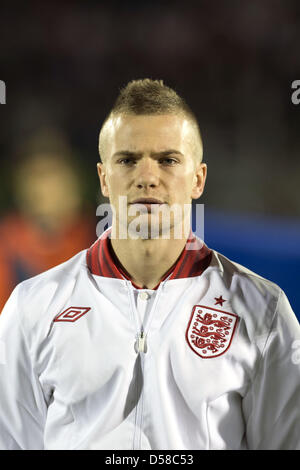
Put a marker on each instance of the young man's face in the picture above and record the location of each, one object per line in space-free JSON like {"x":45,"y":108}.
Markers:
{"x":152,"y":160}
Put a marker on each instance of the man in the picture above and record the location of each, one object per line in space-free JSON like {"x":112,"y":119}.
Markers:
{"x":149,"y":339}
{"x":48,"y":225}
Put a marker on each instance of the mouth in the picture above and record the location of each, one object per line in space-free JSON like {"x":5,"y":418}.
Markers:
{"x":147,"y":201}
{"x":151,"y":204}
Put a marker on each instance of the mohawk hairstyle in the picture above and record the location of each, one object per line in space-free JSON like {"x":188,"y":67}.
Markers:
{"x":149,"y":97}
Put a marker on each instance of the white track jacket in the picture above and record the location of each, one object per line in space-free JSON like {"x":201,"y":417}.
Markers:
{"x":210,"y":359}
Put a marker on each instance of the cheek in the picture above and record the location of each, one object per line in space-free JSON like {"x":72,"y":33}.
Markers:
{"x":182,"y":186}
{"x":116,"y":185}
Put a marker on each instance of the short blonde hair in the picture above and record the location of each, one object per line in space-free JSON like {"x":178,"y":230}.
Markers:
{"x":149,"y":97}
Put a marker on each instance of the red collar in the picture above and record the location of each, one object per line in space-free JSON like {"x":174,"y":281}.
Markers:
{"x":102,"y":261}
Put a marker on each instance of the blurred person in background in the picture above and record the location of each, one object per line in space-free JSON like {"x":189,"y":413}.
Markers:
{"x":48,"y":225}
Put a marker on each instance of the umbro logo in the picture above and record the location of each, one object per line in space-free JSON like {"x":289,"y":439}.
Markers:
{"x":72,"y":314}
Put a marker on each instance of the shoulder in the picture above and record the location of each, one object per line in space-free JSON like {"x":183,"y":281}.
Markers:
{"x":68,"y":269}
{"x":252,"y":297}
{"x":232,"y":271}
{"x":37,"y":298}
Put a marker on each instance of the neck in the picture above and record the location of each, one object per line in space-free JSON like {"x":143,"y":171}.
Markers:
{"x":148,"y":260}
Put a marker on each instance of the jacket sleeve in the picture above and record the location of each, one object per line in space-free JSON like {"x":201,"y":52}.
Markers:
{"x":272,"y":406}
{"x":22,"y":404}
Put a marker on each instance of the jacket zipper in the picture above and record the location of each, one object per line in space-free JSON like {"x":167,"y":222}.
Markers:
{"x":141,"y":342}
{"x":140,"y":346}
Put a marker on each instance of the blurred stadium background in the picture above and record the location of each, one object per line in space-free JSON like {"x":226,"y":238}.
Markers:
{"x":63,"y":64}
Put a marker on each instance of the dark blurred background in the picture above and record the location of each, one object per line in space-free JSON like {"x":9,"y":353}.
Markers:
{"x":233,"y":61}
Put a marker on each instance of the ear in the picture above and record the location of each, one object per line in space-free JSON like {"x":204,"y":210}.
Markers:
{"x":102,"y":178}
{"x":199,"y":180}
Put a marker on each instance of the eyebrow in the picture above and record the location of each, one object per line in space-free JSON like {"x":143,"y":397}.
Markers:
{"x":164,"y":153}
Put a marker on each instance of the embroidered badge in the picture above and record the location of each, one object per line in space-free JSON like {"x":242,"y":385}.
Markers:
{"x":210,"y":331}
{"x":72,"y":314}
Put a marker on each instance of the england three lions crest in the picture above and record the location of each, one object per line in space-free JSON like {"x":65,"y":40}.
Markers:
{"x":210,"y":331}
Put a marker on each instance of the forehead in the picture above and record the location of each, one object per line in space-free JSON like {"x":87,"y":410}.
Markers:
{"x":149,"y":133}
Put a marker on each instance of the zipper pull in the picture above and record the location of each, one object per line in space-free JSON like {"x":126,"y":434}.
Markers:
{"x":141,"y":343}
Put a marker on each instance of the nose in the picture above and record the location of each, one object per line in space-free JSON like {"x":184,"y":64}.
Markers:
{"x":147,"y":173}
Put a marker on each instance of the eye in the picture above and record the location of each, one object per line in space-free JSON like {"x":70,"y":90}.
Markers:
{"x":169,"y":161}
{"x":126,"y":161}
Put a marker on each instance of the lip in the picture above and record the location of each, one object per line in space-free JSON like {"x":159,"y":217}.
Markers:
{"x":147,"y":200}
